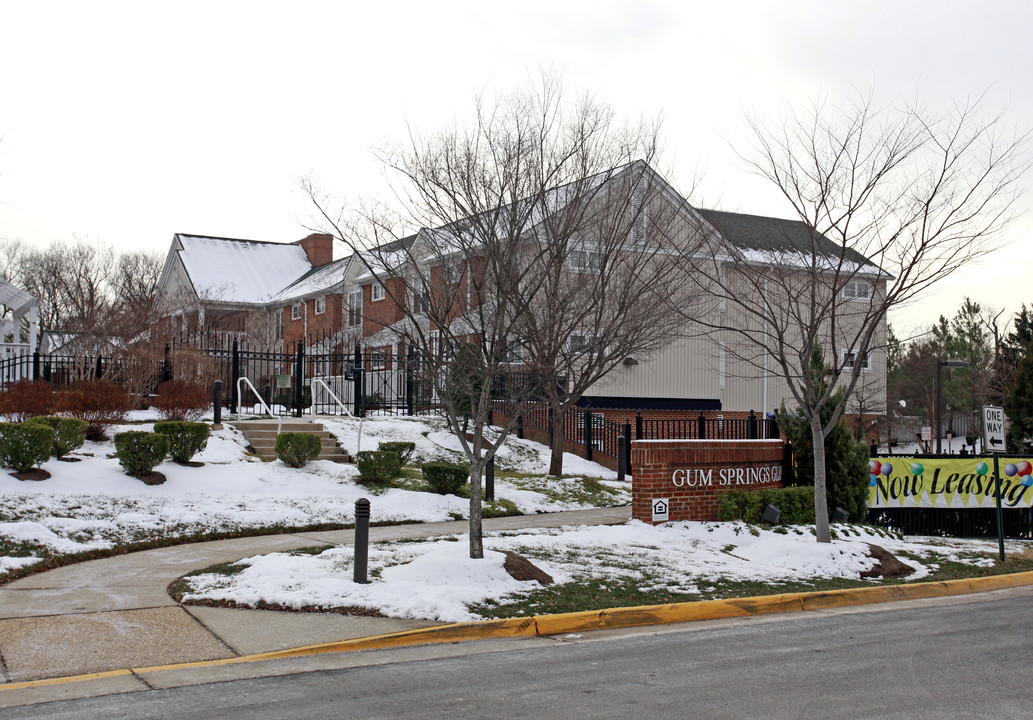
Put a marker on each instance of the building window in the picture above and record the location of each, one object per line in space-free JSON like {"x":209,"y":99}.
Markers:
{"x":377,"y":359}
{"x":579,"y":344}
{"x":857,"y":290}
{"x":296,"y":311}
{"x":721,"y":370}
{"x":355,"y":308}
{"x":320,"y":305}
{"x":850,"y":358}
{"x":586,"y":258}
{"x":278,"y":325}
{"x":512,"y":353}
{"x":376,"y":292}
{"x":420,"y":301}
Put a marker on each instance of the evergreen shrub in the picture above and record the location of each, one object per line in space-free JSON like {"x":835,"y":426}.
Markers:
{"x":796,"y":504}
{"x":138,"y":452}
{"x":446,"y":478}
{"x":378,"y":466}
{"x":23,"y":446}
{"x":69,"y":433}
{"x":186,"y":438}
{"x":403,"y":449}
{"x":297,"y":449}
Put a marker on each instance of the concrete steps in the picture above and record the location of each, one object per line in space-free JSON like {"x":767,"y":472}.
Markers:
{"x":261,"y":435}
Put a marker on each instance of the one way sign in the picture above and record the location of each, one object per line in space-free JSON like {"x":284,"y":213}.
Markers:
{"x":993,"y":428}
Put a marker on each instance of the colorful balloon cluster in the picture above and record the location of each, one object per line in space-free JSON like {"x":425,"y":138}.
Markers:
{"x":877,"y":468}
{"x":1022,"y":469}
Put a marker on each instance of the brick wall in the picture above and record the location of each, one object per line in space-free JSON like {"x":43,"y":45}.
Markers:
{"x":692,"y":474}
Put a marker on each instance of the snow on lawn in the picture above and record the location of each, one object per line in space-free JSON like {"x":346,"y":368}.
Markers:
{"x":437,"y":580}
{"x":92,"y":504}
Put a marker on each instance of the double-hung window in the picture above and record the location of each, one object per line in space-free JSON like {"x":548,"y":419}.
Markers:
{"x":586,"y":258}
{"x":355,"y":308}
{"x":320,"y":305}
{"x":296,"y":311}
{"x":850,"y":359}
{"x":376,"y":292}
{"x":857,"y":290}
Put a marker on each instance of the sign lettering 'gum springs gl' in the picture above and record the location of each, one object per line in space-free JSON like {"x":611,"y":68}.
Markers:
{"x":726,"y":477}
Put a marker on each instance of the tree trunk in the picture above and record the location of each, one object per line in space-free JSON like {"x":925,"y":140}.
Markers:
{"x":821,"y":508}
{"x":476,"y":536}
{"x":556,"y":454}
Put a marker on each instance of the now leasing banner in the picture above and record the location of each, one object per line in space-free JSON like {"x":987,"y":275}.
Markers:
{"x":904,"y":482}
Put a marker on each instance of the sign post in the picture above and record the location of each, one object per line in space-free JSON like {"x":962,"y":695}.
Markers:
{"x":993,"y":440}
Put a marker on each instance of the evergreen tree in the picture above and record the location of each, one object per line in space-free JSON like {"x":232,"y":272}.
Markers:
{"x":846,"y":459}
{"x":1018,"y":406}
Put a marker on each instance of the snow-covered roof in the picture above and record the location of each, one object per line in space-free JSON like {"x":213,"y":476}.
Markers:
{"x":317,"y":280}
{"x":240,"y":271}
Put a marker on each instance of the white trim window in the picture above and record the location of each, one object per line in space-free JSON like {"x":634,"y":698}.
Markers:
{"x":278,"y":325}
{"x":377,"y":359}
{"x":377,"y":292}
{"x":513,"y":353}
{"x":586,"y":258}
{"x":355,"y":308}
{"x":320,"y":305}
{"x":858,"y":290}
{"x":849,"y":358}
{"x":420,"y":301}
{"x":296,"y":311}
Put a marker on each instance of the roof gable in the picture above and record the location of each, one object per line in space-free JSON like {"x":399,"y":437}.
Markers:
{"x":240,"y":271}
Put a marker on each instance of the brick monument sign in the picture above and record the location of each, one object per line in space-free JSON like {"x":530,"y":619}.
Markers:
{"x":682,"y":479}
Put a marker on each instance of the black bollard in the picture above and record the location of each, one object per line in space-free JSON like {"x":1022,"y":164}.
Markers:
{"x":361,"y":541}
{"x":217,"y":402}
{"x":489,"y":480}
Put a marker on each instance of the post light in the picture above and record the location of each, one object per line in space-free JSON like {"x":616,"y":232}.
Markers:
{"x":940,"y":364}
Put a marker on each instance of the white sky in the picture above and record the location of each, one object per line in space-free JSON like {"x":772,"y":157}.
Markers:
{"x":128,"y":122}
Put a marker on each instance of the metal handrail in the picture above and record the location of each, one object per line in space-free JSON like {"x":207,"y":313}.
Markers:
{"x":358,"y":445}
{"x":269,"y":410}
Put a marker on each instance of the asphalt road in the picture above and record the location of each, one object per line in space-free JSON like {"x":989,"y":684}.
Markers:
{"x":967,"y":658}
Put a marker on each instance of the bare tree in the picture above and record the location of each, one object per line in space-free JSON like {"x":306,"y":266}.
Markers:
{"x":888,"y":203}
{"x":606,"y":286}
{"x":134,"y":282}
{"x":462,"y":258}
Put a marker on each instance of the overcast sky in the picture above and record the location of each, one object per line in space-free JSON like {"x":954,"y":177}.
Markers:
{"x":129,"y":122}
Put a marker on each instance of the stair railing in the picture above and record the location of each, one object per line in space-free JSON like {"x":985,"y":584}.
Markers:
{"x":344,"y":408}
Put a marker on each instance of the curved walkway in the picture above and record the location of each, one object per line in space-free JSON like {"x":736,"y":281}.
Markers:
{"x":116,"y":612}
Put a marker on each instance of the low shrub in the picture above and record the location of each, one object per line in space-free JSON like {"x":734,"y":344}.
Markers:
{"x":378,"y":466}
{"x":796,"y":504}
{"x":69,"y":433}
{"x":99,"y":402}
{"x":24,"y":399}
{"x":186,"y":439}
{"x":296,"y":449}
{"x":403,"y":449}
{"x":445,"y":478}
{"x":23,"y":446}
{"x":138,"y":452}
{"x":181,"y":400}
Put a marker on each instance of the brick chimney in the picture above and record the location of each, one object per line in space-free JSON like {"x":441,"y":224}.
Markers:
{"x":319,"y":248}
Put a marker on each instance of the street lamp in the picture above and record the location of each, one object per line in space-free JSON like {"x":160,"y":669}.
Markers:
{"x":940,"y":364}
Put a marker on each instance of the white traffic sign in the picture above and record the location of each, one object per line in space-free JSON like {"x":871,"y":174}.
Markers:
{"x":993,"y":428}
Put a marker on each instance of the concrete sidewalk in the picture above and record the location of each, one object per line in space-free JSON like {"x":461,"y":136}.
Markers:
{"x":115,"y":613}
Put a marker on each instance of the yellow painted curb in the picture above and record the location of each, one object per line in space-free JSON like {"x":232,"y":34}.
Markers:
{"x":562,"y":623}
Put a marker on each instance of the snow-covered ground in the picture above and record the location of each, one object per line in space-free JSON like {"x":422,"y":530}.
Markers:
{"x":437,"y":580}
{"x":93,"y":504}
